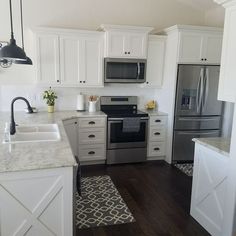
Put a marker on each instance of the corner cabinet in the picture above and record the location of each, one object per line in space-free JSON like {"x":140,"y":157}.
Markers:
{"x":227,"y":83}
{"x":125,"y":41}
{"x":155,"y":61}
{"x":198,"y":46}
{"x":70,"y":58}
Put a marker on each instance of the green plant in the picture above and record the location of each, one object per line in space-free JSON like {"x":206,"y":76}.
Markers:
{"x":50,"y":96}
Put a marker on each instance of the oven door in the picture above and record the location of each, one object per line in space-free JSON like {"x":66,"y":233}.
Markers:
{"x":117,"y":139}
{"x":125,"y":70}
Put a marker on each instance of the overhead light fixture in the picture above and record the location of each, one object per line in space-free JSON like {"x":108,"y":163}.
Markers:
{"x":12,"y":51}
{"x":28,"y":61}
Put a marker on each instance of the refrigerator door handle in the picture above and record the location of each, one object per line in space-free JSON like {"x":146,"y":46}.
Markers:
{"x":198,"y":119}
{"x":200,"y":90}
{"x":206,"y":89}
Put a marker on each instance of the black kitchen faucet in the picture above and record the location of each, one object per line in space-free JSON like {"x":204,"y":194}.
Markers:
{"x":13,"y":124}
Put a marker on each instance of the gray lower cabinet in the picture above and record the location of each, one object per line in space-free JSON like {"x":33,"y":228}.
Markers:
{"x":87,"y":137}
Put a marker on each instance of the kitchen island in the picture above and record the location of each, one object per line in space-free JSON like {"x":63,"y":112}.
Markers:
{"x":36,"y":180}
{"x":209,"y":188}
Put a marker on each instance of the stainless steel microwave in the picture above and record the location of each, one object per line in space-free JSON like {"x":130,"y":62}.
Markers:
{"x":125,"y":70}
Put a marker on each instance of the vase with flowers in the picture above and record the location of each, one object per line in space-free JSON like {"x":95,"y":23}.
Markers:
{"x":50,"y":96}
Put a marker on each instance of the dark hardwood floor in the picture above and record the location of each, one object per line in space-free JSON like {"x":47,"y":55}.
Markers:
{"x":156,"y":193}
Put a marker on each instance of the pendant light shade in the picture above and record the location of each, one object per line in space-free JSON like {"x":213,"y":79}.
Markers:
{"x":12,"y":51}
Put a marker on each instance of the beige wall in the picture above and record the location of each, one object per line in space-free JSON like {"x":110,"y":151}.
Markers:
{"x":215,"y":17}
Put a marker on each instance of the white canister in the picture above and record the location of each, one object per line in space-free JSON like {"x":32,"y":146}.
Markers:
{"x":92,"y":106}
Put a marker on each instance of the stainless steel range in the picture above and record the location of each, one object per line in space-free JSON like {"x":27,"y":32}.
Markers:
{"x":126,"y":129}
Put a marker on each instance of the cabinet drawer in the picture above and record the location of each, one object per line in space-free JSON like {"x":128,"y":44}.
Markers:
{"x":157,"y":134}
{"x":92,"y":136}
{"x":158,"y":120}
{"x":92,"y":122}
{"x":156,"y":149}
{"x":92,"y":152}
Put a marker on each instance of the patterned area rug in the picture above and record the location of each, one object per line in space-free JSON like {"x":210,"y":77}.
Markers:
{"x":100,"y":204}
{"x":186,"y":168}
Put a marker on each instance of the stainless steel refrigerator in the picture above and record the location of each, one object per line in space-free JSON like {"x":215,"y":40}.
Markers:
{"x":198,"y":113}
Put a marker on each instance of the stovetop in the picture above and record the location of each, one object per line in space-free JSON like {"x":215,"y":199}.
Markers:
{"x":118,"y":114}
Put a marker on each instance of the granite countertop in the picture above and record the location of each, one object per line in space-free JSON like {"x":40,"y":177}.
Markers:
{"x":218,"y":144}
{"x":154,"y":112}
{"x":41,"y":155}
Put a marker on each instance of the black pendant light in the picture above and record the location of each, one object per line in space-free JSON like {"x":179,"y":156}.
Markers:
{"x":28,"y":61}
{"x":12,"y":51}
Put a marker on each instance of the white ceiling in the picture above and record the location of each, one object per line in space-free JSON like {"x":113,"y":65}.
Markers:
{"x":204,"y":5}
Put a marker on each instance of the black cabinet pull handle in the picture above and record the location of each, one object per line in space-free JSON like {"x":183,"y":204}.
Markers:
{"x":125,"y":52}
{"x":91,"y":136}
{"x":156,"y":149}
{"x":128,"y":52}
{"x":157,"y":121}
{"x":83,"y":81}
{"x":76,"y":123}
{"x":58,"y":81}
{"x":91,"y":123}
{"x":91,"y":153}
{"x":157,"y":133}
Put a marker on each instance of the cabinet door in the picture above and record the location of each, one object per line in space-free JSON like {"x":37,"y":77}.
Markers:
{"x":213,"y":47}
{"x":135,"y":45}
{"x":191,"y":48}
{"x":155,"y":61}
{"x":72,"y":134}
{"x":227,"y":82}
{"x":48,"y":59}
{"x":70,"y":61}
{"x":92,"y":62}
{"x":116,"y":44}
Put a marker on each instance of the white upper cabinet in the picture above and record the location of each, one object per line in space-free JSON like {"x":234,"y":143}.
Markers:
{"x":155,"y":61}
{"x":82,"y":60}
{"x":125,"y":41}
{"x":70,"y":58}
{"x":200,"y":47}
{"x":47,"y":61}
{"x":227,"y":83}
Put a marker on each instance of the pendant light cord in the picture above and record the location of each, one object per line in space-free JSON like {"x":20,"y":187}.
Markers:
{"x":12,"y":34}
{"x":22,"y":29}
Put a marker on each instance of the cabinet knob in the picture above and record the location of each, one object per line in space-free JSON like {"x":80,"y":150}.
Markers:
{"x":76,"y":123}
{"x":125,"y":52}
{"x":91,"y":123}
{"x":83,"y":81}
{"x":157,"y":121}
{"x":147,"y":82}
{"x":156,"y":149}
{"x":91,"y":153}
{"x":202,"y":59}
{"x":80,"y":81}
{"x":58,"y":80}
{"x":128,"y":52}
{"x":205,"y":59}
{"x":91,"y":136}
{"x":157,"y":133}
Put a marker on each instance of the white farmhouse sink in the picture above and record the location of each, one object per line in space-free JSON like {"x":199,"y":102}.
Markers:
{"x":33,"y":133}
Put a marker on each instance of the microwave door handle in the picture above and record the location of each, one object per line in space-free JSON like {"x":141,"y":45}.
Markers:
{"x":138,"y":70}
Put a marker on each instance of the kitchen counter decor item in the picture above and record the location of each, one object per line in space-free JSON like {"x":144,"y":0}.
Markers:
{"x":50,"y":96}
{"x":92,"y":104}
{"x":151,"y":105}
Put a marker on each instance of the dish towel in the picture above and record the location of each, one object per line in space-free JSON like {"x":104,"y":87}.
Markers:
{"x":131,"y":125}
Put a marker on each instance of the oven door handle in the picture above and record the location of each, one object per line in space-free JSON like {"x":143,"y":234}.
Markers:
{"x":121,"y":119}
